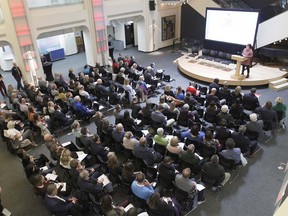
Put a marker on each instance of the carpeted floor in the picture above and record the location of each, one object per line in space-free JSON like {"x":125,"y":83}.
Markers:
{"x":252,"y":193}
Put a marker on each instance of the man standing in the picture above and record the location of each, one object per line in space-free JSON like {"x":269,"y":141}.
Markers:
{"x":17,"y":74}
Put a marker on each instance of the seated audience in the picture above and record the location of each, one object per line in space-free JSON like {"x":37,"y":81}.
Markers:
{"x":183,"y":181}
{"x":141,"y":187}
{"x":141,"y":150}
{"x":174,"y":147}
{"x":217,"y":171}
{"x":230,"y":152}
{"x":160,"y":137}
{"x":129,"y":141}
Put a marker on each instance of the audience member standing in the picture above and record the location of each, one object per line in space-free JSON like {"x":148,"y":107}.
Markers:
{"x":17,"y":74}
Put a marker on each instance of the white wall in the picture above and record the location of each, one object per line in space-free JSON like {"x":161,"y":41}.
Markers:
{"x":141,"y":35}
{"x":135,"y":33}
{"x":88,"y":47}
{"x":68,"y":42}
{"x":6,"y":58}
{"x":120,"y":34}
{"x":272,"y":30}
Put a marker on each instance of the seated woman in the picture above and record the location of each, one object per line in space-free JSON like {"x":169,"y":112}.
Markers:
{"x":115,"y":167}
{"x":108,"y":209}
{"x":168,"y":91}
{"x":21,"y":138}
{"x":129,"y":141}
{"x":114,"y":98}
{"x":128,"y":122}
{"x":174,"y":147}
{"x":65,"y":159}
{"x":40,"y":186}
{"x":209,"y":141}
{"x":160,"y":206}
{"x":211,"y":113}
{"x":128,"y":172}
{"x":41,"y":123}
{"x":41,"y":161}
{"x":30,"y":114}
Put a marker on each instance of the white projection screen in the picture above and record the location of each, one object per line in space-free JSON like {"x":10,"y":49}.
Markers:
{"x":231,"y":26}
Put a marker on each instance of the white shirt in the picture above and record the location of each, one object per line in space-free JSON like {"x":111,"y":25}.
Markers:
{"x":13,"y":132}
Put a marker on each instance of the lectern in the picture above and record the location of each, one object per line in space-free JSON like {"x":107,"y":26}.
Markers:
{"x":239,"y":60}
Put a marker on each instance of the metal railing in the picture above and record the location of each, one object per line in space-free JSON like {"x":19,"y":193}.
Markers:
{"x":50,"y":3}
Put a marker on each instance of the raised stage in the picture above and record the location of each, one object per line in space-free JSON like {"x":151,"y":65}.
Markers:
{"x":207,"y":71}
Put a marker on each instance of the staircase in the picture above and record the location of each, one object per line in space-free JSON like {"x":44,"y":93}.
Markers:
{"x":279,"y":84}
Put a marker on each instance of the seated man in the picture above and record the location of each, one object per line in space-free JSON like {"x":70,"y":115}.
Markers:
{"x":268,"y":115}
{"x":160,"y":137}
{"x":217,"y":171}
{"x":158,"y":117}
{"x":59,"y":119}
{"x":82,"y":110}
{"x":148,"y":154}
{"x":86,"y":184}
{"x":231,"y":152}
{"x":183,"y":181}
{"x":60,"y":205}
{"x":250,"y":100}
{"x":190,"y":157}
{"x":167,"y":173}
{"x":98,"y":148}
{"x":141,"y":187}
{"x":194,"y":134}
{"x":241,"y":141}
{"x":118,"y":133}
{"x":255,"y":125}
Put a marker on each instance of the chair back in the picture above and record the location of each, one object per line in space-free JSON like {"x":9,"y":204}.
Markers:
{"x":228,"y":164}
{"x":208,"y":151}
{"x":252,"y":135}
{"x":161,"y":149}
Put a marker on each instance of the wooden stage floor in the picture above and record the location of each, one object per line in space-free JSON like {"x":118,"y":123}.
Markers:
{"x":207,"y":71}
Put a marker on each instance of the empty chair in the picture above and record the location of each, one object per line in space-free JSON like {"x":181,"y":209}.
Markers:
{"x":212,"y":55}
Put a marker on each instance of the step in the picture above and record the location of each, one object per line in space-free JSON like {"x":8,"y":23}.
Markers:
{"x":281,"y":86}
{"x":278,"y":82}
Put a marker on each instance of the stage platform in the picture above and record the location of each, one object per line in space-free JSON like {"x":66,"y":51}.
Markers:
{"x":207,"y":71}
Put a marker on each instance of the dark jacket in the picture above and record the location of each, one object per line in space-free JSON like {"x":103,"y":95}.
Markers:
{"x":215,"y":170}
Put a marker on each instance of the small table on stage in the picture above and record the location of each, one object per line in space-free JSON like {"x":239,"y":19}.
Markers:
{"x":239,"y":60}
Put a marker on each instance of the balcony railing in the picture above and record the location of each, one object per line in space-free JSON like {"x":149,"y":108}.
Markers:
{"x":50,"y":3}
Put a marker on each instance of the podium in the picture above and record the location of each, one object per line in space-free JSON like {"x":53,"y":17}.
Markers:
{"x":239,"y":59}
